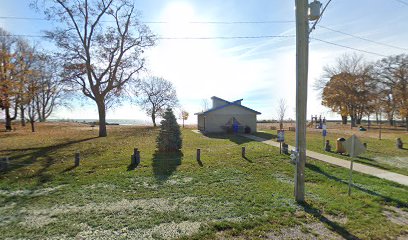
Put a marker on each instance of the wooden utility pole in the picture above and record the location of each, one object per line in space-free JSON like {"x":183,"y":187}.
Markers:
{"x":302,"y":50}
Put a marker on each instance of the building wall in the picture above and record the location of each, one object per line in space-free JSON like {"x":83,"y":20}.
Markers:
{"x":215,"y":120}
{"x":200,"y":122}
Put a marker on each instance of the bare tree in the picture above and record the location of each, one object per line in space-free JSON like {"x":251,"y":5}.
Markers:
{"x":25,"y":57}
{"x":102,"y":42}
{"x":155,"y":96}
{"x":393,"y":76}
{"x":184,"y":115}
{"x":281,"y":111}
{"x":50,"y":90}
{"x":205,"y":104}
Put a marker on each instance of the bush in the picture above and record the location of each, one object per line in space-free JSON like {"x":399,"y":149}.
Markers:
{"x":169,"y":138}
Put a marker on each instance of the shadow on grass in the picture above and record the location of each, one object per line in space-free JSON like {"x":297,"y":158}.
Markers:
{"x":230,"y":136}
{"x":371,"y":162}
{"x":165,"y":164}
{"x":373,"y":193}
{"x":265,"y":135}
{"x":18,"y":161}
{"x":248,"y":160}
{"x":69,"y":169}
{"x":333,"y":226}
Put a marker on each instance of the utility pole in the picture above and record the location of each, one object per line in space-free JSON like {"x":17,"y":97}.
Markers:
{"x":302,"y":50}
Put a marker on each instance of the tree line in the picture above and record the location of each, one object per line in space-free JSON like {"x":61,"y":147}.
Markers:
{"x":356,"y":88}
{"x":100,"y":55}
{"x":29,"y":81}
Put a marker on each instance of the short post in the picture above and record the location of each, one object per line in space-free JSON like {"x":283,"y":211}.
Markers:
{"x":77,"y":158}
{"x":243,"y":152}
{"x":198,"y":154}
{"x":137,"y":157}
{"x":399,"y":143}
{"x":353,"y":139}
{"x":133,"y":161}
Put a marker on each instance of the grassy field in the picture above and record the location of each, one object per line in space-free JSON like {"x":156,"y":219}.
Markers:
{"x":380,"y":153}
{"x":42,"y":196}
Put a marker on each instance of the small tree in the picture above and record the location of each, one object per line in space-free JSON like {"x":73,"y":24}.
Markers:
{"x":184,"y":116}
{"x":169,"y":138}
{"x":281,"y":112}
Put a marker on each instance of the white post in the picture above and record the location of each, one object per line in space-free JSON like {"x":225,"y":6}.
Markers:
{"x":302,"y":48}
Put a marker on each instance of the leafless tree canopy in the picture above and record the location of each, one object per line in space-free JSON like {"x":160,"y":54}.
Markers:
{"x":156,"y":95}
{"x":392,"y":74}
{"x":281,"y":111}
{"x":102,"y":43}
{"x":205,"y":104}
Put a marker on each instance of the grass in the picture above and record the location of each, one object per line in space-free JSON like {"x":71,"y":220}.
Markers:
{"x":174,"y":196}
{"x":380,"y":153}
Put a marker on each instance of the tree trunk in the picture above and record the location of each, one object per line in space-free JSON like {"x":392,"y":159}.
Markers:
{"x":406,"y":123}
{"x":391,"y":121}
{"x":353,"y":121}
{"x":32,"y":126}
{"x":358,"y":120}
{"x":22,"y":113}
{"x":8,"y":119}
{"x":154,"y":119}
{"x":102,"y":118}
{"x":368,"y":121}
{"x":344,"y":120}
{"x":376,"y":118}
{"x":183,"y":122}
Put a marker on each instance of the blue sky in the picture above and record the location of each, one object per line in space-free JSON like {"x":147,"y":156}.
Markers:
{"x":261,"y":71}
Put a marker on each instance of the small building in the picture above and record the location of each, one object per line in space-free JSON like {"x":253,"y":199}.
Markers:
{"x":225,"y":116}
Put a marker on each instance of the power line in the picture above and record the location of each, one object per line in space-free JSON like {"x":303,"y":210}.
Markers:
{"x":221,"y":37}
{"x":343,"y":46}
{"x":182,"y":38}
{"x":169,"y":22}
{"x":365,"y":39}
{"x":401,"y":1}
{"x":234,"y":37}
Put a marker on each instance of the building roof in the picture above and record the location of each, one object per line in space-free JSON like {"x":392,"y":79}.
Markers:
{"x":235,"y":103}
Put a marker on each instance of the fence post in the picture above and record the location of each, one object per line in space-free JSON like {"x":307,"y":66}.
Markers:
{"x":198,"y":154}
{"x":137,"y":157}
{"x":243,"y":152}
{"x":77,"y":158}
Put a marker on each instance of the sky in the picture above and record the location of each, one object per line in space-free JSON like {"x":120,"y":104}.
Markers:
{"x":261,"y":70}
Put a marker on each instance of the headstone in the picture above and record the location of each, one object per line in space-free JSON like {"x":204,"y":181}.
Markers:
{"x":399,"y":143}
{"x":327,"y":146}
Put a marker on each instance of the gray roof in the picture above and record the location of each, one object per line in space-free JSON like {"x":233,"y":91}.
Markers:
{"x":235,"y":103}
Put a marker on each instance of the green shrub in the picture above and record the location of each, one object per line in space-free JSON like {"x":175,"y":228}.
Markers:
{"x":169,"y":138}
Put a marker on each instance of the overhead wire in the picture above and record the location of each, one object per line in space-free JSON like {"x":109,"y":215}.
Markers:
{"x":365,"y":39}
{"x":238,"y":37}
{"x":401,"y":1}
{"x":343,"y":46}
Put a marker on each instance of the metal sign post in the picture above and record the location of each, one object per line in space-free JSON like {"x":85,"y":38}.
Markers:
{"x":281,"y":139}
{"x":324,"y":134}
{"x":354,"y":147}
